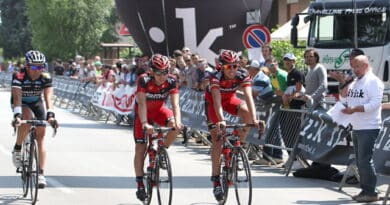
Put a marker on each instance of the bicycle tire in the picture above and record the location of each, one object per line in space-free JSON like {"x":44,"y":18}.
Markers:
{"x":242,"y":178}
{"x":224,"y":180}
{"x":23,"y":172}
{"x":33,"y":171}
{"x":164,"y":177}
{"x":149,"y":182}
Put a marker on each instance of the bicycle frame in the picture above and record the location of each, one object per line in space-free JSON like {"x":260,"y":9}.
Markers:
{"x":30,"y":160}
{"x":157,"y":153}
{"x":232,"y":156}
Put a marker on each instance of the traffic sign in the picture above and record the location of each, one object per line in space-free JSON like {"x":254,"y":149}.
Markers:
{"x":255,"y":36}
{"x":123,"y":30}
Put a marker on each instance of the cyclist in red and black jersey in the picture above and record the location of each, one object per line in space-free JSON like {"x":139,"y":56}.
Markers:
{"x":152,"y":91}
{"x":28,"y":87}
{"x":221,"y":96}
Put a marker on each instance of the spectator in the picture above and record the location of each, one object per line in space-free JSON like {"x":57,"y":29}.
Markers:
{"x":316,"y":79}
{"x":191,"y":69}
{"x":202,"y":74}
{"x":59,"y":67}
{"x":261,"y":85}
{"x":363,"y":98}
{"x":293,"y":96}
{"x":278,"y":79}
{"x":186,"y":51}
{"x":278,"y":76}
{"x":243,"y":61}
{"x":266,"y":52}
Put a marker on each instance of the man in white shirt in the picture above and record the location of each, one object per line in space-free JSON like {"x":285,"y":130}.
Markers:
{"x":363,"y":98}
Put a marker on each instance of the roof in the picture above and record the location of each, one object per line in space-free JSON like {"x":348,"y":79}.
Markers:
{"x":123,"y":45}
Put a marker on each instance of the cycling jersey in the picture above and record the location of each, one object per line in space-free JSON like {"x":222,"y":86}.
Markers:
{"x":31,"y":89}
{"x":227,"y":87}
{"x":156,"y":96}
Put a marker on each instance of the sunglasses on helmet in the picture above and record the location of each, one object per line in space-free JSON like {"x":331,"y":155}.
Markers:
{"x":37,"y":67}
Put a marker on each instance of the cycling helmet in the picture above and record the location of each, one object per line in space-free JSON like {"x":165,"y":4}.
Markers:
{"x":159,"y":62}
{"x":228,"y":56}
{"x":35,"y":57}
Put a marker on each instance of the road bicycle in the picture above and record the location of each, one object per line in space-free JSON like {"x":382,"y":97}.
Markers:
{"x":159,"y":170}
{"x":235,"y":165}
{"x":29,"y":170}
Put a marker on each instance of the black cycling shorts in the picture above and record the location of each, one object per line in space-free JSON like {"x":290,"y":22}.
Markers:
{"x":37,"y":108}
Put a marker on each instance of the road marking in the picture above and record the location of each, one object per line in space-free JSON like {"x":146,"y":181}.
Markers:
{"x":58,"y":185}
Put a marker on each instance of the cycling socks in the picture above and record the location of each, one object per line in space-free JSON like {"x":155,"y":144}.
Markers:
{"x":216,"y":180}
{"x":140,"y":181}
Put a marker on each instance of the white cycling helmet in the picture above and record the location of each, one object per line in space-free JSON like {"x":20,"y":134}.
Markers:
{"x":35,"y":57}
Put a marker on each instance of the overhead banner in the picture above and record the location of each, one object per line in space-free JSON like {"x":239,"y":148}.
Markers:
{"x":203,"y":26}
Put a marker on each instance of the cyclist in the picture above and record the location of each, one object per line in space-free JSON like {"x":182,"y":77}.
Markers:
{"x":153,"y":88}
{"x":28,"y":85}
{"x":221,"y":96}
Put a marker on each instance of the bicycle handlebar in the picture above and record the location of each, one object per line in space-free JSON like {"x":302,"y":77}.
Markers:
{"x":235,"y":126}
{"x":37,"y":123}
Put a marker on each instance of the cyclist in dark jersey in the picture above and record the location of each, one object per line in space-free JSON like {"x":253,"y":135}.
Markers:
{"x":28,"y":85}
{"x":221,"y":96}
{"x":152,"y":91}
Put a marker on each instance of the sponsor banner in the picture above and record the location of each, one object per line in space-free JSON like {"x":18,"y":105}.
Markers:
{"x":324,"y":141}
{"x":382,"y":146}
{"x":119,"y":100}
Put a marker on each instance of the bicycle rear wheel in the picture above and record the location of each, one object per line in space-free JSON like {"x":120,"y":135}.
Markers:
{"x":23,"y":170}
{"x":242,"y":177}
{"x":164,"y":177}
{"x":33,"y":171}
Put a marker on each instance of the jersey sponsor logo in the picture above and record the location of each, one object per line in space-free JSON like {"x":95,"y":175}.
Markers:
{"x":156,"y":96}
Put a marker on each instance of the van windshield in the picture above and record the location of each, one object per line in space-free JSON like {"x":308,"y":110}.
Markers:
{"x":337,"y":31}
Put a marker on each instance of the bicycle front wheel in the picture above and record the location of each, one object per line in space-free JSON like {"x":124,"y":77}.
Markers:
{"x":33,"y":171}
{"x":164,"y":177}
{"x":24,"y":169}
{"x":242,"y":177}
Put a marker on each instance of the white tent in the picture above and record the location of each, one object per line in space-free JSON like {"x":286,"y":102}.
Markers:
{"x":284,"y":32}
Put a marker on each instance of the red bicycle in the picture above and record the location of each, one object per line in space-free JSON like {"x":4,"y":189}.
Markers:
{"x":159,"y":170}
{"x":235,"y":165}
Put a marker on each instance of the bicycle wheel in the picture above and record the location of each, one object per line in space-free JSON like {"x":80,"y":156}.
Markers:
{"x":149,"y":182}
{"x":164,"y":177}
{"x":242,"y":177}
{"x":226,"y":180}
{"x":33,"y":171}
{"x":23,"y":170}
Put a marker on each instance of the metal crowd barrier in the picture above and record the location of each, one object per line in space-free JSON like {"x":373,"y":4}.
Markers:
{"x":5,"y":79}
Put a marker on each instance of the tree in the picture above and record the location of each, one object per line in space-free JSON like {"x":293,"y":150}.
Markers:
{"x":63,"y":28}
{"x":15,"y":34}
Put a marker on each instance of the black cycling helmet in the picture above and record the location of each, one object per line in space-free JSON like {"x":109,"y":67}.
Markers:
{"x":35,"y":57}
{"x":159,"y":62}
{"x":228,"y":56}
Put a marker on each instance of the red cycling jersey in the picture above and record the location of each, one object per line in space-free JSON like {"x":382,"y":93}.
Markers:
{"x":227,"y":87}
{"x":156,"y":96}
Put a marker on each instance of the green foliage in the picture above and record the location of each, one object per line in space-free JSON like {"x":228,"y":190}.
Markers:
{"x":63,"y":28}
{"x":280,"y":48}
{"x":15,"y":34}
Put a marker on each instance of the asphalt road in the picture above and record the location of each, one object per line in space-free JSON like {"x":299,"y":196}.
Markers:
{"x":90,"y":162}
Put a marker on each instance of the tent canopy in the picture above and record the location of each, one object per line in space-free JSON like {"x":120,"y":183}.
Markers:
{"x":284,"y":32}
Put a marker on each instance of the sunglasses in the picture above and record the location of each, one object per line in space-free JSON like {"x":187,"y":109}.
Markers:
{"x":37,"y":67}
{"x":230,"y":66}
{"x":159,"y":72}
{"x":271,"y":65}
